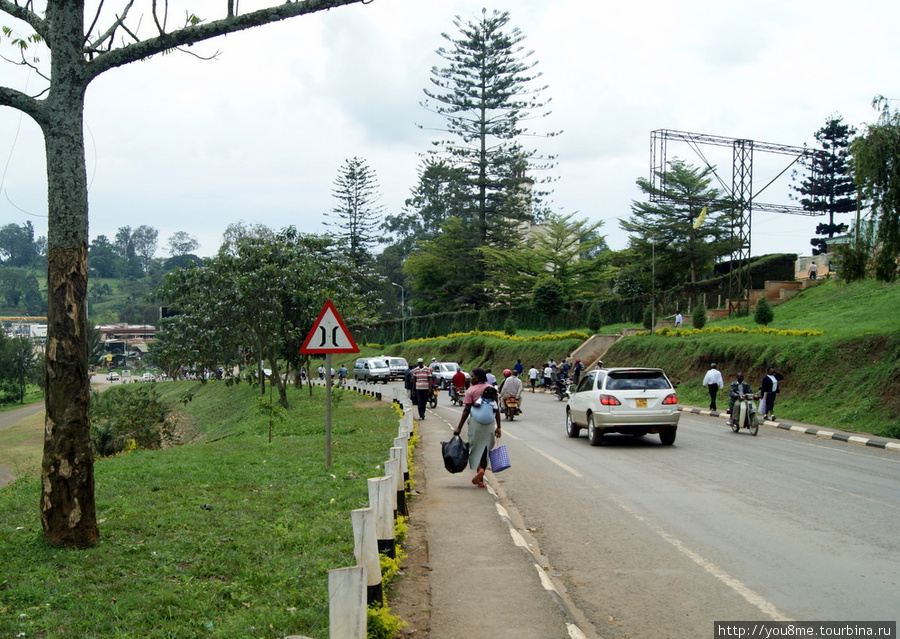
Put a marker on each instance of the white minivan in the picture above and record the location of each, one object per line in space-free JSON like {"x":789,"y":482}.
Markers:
{"x":372,"y":369}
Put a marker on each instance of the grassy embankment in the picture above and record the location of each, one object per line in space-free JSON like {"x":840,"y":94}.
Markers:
{"x":226,"y":537}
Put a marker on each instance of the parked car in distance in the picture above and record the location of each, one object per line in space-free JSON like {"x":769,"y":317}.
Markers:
{"x":444,"y":372}
{"x":633,"y":401}
{"x":112,"y":376}
{"x":148,"y":377}
{"x":398,"y":366}
{"x":372,"y":369}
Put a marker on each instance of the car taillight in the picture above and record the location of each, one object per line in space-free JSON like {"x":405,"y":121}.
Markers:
{"x":671,"y":399}
{"x":609,"y":400}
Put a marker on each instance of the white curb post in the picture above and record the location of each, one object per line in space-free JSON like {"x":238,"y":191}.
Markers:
{"x":403,"y":443}
{"x":397,"y":457}
{"x":347,"y":603}
{"x":365,"y":549}
{"x":381,"y":500}
{"x":392,"y":470}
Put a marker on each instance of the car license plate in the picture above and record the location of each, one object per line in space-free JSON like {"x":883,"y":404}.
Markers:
{"x":641,"y":402}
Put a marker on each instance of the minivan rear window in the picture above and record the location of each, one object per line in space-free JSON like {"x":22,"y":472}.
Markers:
{"x":636,"y":380}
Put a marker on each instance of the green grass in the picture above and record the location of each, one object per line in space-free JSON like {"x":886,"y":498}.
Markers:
{"x":839,"y":310}
{"x":225,"y":538}
{"x":849,"y":377}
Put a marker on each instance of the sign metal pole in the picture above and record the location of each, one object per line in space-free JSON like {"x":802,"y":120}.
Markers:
{"x":328,"y":410}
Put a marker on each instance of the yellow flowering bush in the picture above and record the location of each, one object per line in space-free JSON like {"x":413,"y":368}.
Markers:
{"x":685,"y":332}
{"x":511,"y":338}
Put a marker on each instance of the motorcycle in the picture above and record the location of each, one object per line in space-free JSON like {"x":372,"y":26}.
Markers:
{"x":511,"y":407}
{"x":744,"y":414}
{"x":456,"y":395}
{"x":562,"y":389}
{"x":432,"y":397}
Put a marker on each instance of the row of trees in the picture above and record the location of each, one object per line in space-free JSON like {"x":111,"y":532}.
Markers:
{"x":132,"y":253}
{"x":254,"y":303}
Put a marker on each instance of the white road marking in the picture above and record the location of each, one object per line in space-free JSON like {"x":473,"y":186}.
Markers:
{"x":549,"y":458}
{"x":751,"y":596}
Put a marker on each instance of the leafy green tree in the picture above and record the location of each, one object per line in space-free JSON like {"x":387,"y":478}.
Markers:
{"x":128,"y":264}
{"x":438,"y":196}
{"x":145,"y":240}
{"x":684,"y":251}
{"x":485,"y":93}
{"x":547,"y":299}
{"x":103,"y":257}
{"x":357,"y":213}
{"x":98,"y":291}
{"x":17,"y":246}
{"x":445,"y":272}
{"x":564,"y":249}
{"x":763,"y":315}
{"x":81,"y":50}
{"x":19,"y":287}
{"x":182,"y":243}
{"x":18,"y":368}
{"x":877,"y":174}
{"x":828,"y":187}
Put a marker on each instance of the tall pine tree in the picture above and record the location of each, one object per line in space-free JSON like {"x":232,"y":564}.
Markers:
{"x":828,"y":188}
{"x":357,"y":213}
{"x":485,"y":93}
{"x":684,"y":249}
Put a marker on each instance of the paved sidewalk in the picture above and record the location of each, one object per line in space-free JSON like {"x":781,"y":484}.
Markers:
{"x":484,"y":580}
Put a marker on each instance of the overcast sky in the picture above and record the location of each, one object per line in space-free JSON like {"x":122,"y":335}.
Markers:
{"x":259,"y":134}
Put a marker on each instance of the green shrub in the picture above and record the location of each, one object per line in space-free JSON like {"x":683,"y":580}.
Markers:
{"x":763,"y":314}
{"x":128,"y":413}
{"x":698,"y":317}
{"x":509,"y":326}
{"x":381,"y":624}
{"x":648,"y":318}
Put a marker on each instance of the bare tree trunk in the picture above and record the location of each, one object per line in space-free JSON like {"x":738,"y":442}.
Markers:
{"x":68,"y":513}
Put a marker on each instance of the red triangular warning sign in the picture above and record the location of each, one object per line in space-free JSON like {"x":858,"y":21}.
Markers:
{"x":329,"y":334}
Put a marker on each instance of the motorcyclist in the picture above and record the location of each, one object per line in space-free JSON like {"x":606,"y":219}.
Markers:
{"x":457,"y":383}
{"x":738,"y":387}
{"x":511,"y":386}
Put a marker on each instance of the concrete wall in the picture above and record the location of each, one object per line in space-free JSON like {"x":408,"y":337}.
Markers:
{"x":593,"y":349}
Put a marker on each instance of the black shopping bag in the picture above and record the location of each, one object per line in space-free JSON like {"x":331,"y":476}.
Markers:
{"x":456,"y":454}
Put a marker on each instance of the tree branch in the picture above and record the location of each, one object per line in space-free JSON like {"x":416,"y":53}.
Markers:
{"x":25,"y":15}
{"x":205,"y":31}
{"x":22,"y":102}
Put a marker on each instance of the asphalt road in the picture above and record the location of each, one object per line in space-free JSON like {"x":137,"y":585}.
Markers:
{"x":655,"y":541}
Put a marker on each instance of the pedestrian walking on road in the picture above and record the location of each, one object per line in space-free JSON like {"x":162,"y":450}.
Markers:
{"x":713,"y":382}
{"x":422,"y":377}
{"x":481,"y":436}
{"x":768,"y":388}
{"x":533,"y":375}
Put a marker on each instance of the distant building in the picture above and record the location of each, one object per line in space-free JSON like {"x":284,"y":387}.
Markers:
{"x":126,"y":341}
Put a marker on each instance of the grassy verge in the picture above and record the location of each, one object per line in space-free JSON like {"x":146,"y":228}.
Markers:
{"x":227,"y":537}
{"x":21,"y":446}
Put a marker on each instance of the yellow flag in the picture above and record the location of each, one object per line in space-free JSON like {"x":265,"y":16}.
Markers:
{"x":700,"y":218}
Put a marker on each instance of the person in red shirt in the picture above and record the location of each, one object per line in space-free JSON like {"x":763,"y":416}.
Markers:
{"x":457,"y":383}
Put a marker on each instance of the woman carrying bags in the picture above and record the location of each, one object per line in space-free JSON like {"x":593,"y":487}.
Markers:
{"x":481,"y":413}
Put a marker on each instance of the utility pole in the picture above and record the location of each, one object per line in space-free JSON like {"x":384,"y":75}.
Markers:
{"x":402,"y":311}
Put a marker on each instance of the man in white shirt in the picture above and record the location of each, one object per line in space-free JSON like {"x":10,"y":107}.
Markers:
{"x":713,"y":382}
